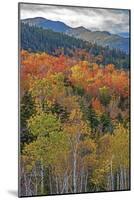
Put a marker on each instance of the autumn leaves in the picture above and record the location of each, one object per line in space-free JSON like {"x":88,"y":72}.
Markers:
{"x":76,"y":133}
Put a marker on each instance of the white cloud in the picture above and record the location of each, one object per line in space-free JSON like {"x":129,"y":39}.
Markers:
{"x":112,"y":20}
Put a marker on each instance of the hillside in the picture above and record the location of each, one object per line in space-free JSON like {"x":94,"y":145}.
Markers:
{"x":102,"y":38}
{"x":47,"y":24}
{"x":39,"y":40}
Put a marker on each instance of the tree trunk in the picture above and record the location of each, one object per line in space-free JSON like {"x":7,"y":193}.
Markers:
{"x":81,"y":181}
{"x":118,"y":181}
{"x":112,"y":177}
{"x":57,"y":191}
{"x":25,"y":183}
{"x":42,"y":179}
{"x":74,"y":171}
{"x":121,"y":179}
{"x":86,"y":177}
{"x":50,"y":182}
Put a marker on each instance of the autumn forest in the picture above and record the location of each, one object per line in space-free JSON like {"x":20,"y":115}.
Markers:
{"x":74,"y":115}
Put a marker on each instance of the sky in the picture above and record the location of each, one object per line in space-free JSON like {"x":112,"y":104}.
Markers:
{"x":111,"y":20}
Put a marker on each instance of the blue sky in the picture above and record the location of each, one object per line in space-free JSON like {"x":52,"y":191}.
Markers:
{"x":112,"y":20}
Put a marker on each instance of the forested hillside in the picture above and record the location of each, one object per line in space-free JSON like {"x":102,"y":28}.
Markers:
{"x":74,"y":123}
{"x":103,"y":38}
{"x":35,"y":39}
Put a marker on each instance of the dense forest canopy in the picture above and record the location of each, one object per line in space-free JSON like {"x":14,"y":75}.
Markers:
{"x":35,"y":39}
{"x":74,"y":124}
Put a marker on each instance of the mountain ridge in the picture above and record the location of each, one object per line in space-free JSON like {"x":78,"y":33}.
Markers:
{"x":103,"y":38}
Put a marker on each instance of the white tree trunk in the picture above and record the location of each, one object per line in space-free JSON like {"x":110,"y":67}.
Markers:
{"x":42,"y":179}
{"x":74,"y":172}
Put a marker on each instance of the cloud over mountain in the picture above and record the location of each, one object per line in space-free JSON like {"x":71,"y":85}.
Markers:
{"x":112,"y":20}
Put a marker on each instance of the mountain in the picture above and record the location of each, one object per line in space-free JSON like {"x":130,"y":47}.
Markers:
{"x":124,"y":34}
{"x":56,"y":26}
{"x":102,"y":38}
{"x":77,"y":31}
{"x":36,"y":39}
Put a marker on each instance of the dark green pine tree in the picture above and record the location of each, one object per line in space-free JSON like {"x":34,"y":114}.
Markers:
{"x":27,"y":109}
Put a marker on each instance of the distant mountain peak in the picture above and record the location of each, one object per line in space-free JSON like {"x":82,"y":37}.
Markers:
{"x":106,"y":32}
{"x":102,"y":32}
{"x":38,"y":18}
{"x":82,"y":28}
{"x":124,"y":34}
{"x":44,"y":23}
{"x":34,"y":19}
